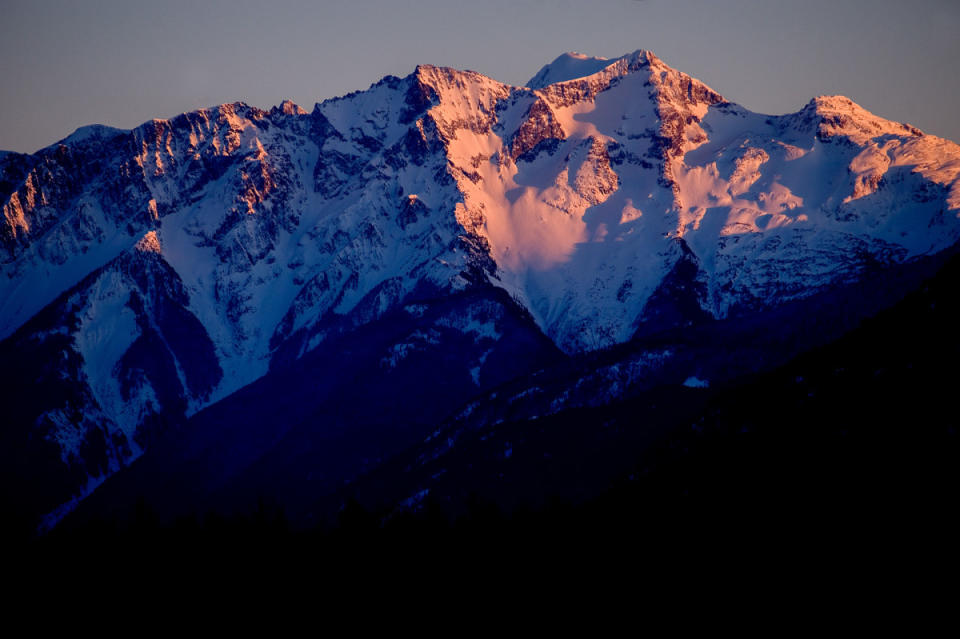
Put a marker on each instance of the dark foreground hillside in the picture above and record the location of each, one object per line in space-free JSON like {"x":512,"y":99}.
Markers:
{"x":854,"y":443}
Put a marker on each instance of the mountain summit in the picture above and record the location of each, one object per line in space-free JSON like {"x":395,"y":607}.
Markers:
{"x":568,"y":66}
{"x":441,"y":222}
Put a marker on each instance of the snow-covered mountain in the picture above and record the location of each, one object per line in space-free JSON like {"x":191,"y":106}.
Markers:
{"x":148,"y":274}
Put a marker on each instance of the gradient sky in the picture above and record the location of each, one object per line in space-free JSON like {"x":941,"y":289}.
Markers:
{"x":64,"y":64}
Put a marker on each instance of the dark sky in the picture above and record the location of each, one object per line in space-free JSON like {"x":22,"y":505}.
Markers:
{"x":64,"y":64}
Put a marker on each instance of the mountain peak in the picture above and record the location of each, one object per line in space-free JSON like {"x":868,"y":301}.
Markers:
{"x":574,"y":65}
{"x":92,"y":132}
{"x":839,"y":115}
{"x":289,"y":107}
{"x":441,"y":75}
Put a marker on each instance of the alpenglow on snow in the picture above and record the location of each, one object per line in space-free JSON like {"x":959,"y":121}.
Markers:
{"x":171,"y":265}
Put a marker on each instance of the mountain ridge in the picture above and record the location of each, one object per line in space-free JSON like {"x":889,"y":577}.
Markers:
{"x":189,"y":257}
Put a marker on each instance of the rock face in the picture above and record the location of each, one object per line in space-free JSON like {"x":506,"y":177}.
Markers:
{"x":148,"y":274}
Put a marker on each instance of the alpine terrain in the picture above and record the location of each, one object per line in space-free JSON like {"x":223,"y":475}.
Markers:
{"x":235,"y":303}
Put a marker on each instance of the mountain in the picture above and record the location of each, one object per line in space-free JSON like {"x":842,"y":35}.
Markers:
{"x":568,"y":66}
{"x":281,"y":299}
{"x":846,"y":443}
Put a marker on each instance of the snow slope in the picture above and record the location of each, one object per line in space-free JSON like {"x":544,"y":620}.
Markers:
{"x":568,"y":66}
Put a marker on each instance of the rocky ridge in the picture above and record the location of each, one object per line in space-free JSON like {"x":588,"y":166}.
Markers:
{"x":177,"y":263}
